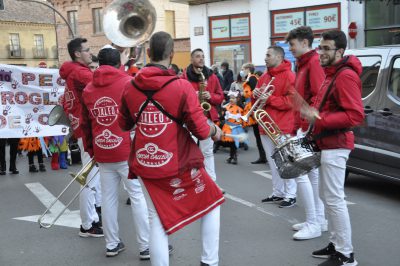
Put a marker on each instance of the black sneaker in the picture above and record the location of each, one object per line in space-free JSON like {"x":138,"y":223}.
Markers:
{"x":204,"y":264}
{"x":287,"y":202}
{"x":42,"y":167}
{"x":14,"y":171}
{"x":145,"y":254}
{"x":326,"y":252}
{"x":33,"y":169}
{"x":115,"y":251}
{"x":338,"y":259}
{"x":272,"y":199}
{"x":92,"y":232}
{"x":98,"y":224}
{"x":2,"y":172}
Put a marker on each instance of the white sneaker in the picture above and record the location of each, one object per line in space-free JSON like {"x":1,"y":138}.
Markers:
{"x":299,"y":226}
{"x":308,"y":232}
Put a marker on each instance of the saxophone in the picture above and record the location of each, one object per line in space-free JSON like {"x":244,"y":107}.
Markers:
{"x":203,"y":102}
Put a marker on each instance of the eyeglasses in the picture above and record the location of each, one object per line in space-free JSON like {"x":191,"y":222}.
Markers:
{"x":321,"y":50}
{"x":85,"y":50}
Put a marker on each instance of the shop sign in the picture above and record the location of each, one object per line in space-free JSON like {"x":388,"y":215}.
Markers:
{"x":220,"y":28}
{"x":285,"y":22}
{"x":322,"y":19}
{"x":240,"y":27}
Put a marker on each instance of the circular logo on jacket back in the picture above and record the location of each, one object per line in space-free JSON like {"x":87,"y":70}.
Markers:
{"x":105,"y":111}
{"x":107,"y":140}
{"x":152,"y":121}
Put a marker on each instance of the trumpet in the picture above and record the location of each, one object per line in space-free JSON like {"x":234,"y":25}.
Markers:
{"x":267,"y":92}
{"x":270,"y":127}
{"x":203,"y":103}
{"x":80,"y":177}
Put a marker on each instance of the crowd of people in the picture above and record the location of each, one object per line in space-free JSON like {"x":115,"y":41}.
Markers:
{"x":152,"y":133}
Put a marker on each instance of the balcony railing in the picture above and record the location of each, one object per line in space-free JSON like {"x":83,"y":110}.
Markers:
{"x":41,"y":53}
{"x":15,"y":53}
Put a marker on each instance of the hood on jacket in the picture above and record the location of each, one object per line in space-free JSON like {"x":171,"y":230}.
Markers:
{"x":284,"y":66}
{"x":348,"y":61}
{"x":66,"y":69}
{"x":153,"y":77}
{"x":106,"y":75}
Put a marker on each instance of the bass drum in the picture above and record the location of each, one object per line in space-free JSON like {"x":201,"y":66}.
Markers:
{"x":296,"y":157}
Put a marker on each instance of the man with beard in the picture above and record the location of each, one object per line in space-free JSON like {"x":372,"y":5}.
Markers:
{"x":338,"y":108}
{"x":279,"y":107}
{"x":309,"y":78}
{"x":212,"y":93}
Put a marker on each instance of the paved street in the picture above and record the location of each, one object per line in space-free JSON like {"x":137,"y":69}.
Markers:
{"x":252,"y":234}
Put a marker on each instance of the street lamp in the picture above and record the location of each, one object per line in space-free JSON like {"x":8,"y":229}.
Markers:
{"x":55,"y":10}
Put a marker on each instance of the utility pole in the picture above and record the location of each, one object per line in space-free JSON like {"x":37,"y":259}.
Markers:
{"x":55,"y":10}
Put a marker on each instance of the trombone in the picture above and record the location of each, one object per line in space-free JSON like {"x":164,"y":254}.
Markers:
{"x":80,"y":177}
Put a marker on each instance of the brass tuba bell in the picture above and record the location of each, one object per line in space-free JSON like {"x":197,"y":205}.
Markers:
{"x":128,"y":23}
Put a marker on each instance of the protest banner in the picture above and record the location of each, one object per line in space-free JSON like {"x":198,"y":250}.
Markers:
{"x":27,"y":96}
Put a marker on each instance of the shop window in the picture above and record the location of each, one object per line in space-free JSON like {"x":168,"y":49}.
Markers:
{"x":73,"y":20}
{"x":369,"y":75}
{"x":394,"y":85}
{"x":170,"y":22}
{"x":382,"y":36}
{"x":382,"y":13}
{"x":235,"y":54}
{"x":97,"y":15}
{"x":230,"y":40}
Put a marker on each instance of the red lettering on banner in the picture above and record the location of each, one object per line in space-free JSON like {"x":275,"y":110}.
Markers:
{"x":45,"y":80}
{"x":26,"y":77}
{"x":20,"y":100}
{"x":43,"y":119}
{"x":3,"y":122}
{"x":60,"y":82}
{"x":35,"y":98}
{"x":7,"y":96}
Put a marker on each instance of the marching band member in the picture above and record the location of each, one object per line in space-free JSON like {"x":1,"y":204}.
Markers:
{"x":109,"y":145}
{"x":309,"y":78}
{"x":233,"y":125}
{"x":338,"y":107}
{"x":213,"y":94}
{"x":165,"y":157}
{"x":279,"y":107}
{"x":247,"y":72}
{"x":77,"y":75}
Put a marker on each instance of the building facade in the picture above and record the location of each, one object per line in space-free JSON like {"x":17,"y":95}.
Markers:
{"x":27,"y":35}
{"x":240,"y":31}
{"x":85,"y":18}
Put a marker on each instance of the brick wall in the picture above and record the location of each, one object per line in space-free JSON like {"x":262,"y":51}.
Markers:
{"x":96,"y":41}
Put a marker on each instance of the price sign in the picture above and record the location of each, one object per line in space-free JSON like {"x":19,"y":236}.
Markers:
{"x":285,"y":22}
{"x":322,"y":19}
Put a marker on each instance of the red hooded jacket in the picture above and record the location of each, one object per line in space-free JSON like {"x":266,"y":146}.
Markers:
{"x":343,"y":108}
{"x":103,"y":137}
{"x":213,"y":87}
{"x":162,"y":148}
{"x":77,"y":76}
{"x":279,"y":104}
{"x":309,"y":78}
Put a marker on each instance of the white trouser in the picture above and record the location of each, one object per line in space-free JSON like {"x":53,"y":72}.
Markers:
{"x":332,"y":175}
{"x":111,"y":175}
{"x":308,"y":189}
{"x":87,"y":198}
{"x":285,"y":188}
{"x":210,"y":224}
{"x":206,"y":146}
